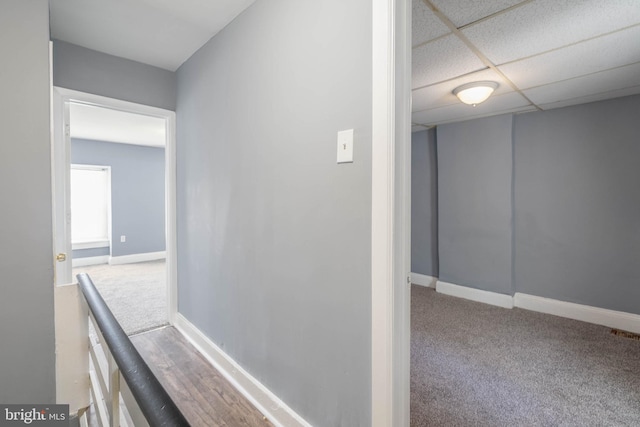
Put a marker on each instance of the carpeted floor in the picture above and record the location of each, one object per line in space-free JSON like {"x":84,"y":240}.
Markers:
{"x":135,"y":293}
{"x":474,"y":364}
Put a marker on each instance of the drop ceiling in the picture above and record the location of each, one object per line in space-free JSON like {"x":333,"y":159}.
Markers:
{"x":163,"y":33}
{"x":544,"y":54}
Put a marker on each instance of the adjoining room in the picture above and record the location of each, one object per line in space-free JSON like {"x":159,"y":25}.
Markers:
{"x":118,"y":211}
{"x":525,"y":214}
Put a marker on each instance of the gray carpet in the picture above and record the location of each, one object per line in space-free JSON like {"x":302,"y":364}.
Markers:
{"x":474,"y":364}
{"x":135,"y":293}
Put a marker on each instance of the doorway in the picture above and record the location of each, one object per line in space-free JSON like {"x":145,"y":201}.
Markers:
{"x":118,"y":224}
{"x":131,"y":258}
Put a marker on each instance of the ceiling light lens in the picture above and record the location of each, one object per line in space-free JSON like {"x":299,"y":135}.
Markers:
{"x":475,"y":93}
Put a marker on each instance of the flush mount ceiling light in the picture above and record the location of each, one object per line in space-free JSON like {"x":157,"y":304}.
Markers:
{"x":476,"y":92}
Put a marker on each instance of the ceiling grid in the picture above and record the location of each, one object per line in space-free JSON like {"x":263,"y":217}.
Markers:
{"x":476,"y":51}
{"x":543,"y":53}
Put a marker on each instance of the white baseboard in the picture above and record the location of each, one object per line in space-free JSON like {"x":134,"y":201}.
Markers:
{"x":92,"y":260}
{"x":493,"y":298}
{"x":423,"y":280}
{"x":130,"y":259}
{"x":261,"y":397}
{"x":600,"y":316}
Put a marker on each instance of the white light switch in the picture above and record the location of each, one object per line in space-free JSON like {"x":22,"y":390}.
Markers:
{"x":123,"y":239}
{"x":345,"y":146}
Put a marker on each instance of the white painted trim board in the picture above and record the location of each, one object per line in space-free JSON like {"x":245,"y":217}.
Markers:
{"x":62,"y":97}
{"x":260,"y":396}
{"x":493,"y":298}
{"x":600,"y":316}
{"x":130,"y":259}
{"x":383,"y":235}
{"x":171,"y":216}
{"x":585,"y":313}
{"x":92,"y":260}
{"x":423,"y":280}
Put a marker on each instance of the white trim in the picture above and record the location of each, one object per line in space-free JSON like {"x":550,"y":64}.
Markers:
{"x":114,"y":104}
{"x":423,"y":280}
{"x":401,"y":39}
{"x":390,"y":217}
{"x":60,"y":161}
{"x":493,"y":298}
{"x":64,"y":95}
{"x":171,"y":219}
{"x":599,"y":316}
{"x":382,"y":213}
{"x":585,"y":313}
{"x":94,"y":244}
{"x":92,"y":260}
{"x":260,"y":396}
{"x":133,"y":258}
{"x":89,"y":167}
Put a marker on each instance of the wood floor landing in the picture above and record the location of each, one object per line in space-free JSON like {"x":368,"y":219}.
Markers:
{"x":203,"y":395}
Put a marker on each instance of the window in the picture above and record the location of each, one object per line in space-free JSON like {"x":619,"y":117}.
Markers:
{"x":90,"y":200}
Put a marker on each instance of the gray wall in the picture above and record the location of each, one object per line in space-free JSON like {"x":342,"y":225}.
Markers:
{"x":137,"y":193}
{"x":27,"y":352}
{"x":274,"y":238}
{"x":474,"y":203}
{"x":86,"y":70}
{"x":578,"y":204}
{"x":87,"y":253}
{"x":424,"y":203}
{"x":576,"y":233}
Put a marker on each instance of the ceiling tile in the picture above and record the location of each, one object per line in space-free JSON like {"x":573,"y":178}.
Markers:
{"x":442,"y":59}
{"x":592,"y":84}
{"x":634,"y":90}
{"x":441,"y":94}
{"x":463,"y":12}
{"x":425,"y":25}
{"x":507,"y":103}
{"x":610,"y":51}
{"x":543,"y":25}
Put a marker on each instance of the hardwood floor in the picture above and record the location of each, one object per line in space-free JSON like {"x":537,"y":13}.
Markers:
{"x":203,"y":395}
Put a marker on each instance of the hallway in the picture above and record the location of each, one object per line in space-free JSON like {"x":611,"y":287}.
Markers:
{"x":202,"y":394}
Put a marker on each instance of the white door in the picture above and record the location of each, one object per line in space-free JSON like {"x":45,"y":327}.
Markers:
{"x":61,"y":184}
{"x":71,"y":319}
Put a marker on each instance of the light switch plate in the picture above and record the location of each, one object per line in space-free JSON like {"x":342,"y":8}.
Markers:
{"x":345,"y":146}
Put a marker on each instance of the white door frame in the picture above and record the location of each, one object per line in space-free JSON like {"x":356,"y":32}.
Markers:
{"x":61,"y":159}
{"x":391,"y":213}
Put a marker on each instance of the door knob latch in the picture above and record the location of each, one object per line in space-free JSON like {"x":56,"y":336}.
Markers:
{"x":61,"y":257}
